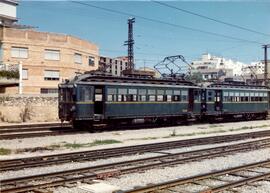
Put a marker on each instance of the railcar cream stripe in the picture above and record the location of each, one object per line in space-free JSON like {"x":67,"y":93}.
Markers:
{"x":248,"y":102}
{"x":85,"y":102}
{"x":146,"y":102}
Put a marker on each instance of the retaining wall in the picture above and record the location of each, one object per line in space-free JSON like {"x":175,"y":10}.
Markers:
{"x":28,"y":108}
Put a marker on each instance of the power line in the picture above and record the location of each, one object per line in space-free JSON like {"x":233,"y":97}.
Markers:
{"x":209,"y":18}
{"x":166,"y":23}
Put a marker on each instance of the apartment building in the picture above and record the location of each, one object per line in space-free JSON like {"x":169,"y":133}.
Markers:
{"x":210,"y":66}
{"x":46,"y":58}
{"x":114,"y":66}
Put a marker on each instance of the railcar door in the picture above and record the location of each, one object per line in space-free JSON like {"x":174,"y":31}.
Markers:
{"x":190,"y":100}
{"x":99,"y":100}
{"x":218,"y":100}
{"x":203,"y":101}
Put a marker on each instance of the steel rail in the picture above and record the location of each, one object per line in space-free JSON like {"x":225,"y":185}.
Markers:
{"x":20,"y":163}
{"x":194,"y":179}
{"x":102,"y":171}
{"x":16,"y":126}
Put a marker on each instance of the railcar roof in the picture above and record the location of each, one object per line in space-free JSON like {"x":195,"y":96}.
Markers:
{"x":126,"y":79}
{"x":236,"y":86}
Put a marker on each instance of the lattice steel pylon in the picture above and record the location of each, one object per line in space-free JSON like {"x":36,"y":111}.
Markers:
{"x":130,"y":43}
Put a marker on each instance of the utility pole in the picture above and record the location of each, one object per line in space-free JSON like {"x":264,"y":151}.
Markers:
{"x":130,"y":43}
{"x":265,"y":64}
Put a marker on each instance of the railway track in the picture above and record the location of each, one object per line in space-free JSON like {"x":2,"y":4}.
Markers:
{"x":34,"y":130}
{"x":46,"y":160}
{"x":87,"y":174}
{"x":223,"y":180}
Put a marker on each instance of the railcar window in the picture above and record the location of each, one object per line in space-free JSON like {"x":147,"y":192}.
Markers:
{"x":142,"y":91}
{"x":197,"y":96}
{"x":252,"y":96}
{"x":209,"y":96}
{"x":112,"y":94}
{"x":237,"y":97}
{"x":168,"y":95}
{"x":98,"y":94}
{"x":247,"y":96}
{"x":160,"y":97}
{"x":176,"y":92}
{"x":122,"y":97}
{"x":184,"y":95}
{"x":132,"y":91}
{"x":231,"y":97}
{"x":242,"y":96}
{"x":122,"y":94}
{"x":168,"y":92}
{"x":122,"y":91}
{"x":151,"y":92}
{"x":265,"y":96}
{"x":160,"y":92}
{"x":169,"y":98}
{"x":85,"y":94}
{"x":176,"y":95}
{"x":217,"y":97}
{"x":226,"y":96}
{"x":132,"y":95}
{"x":98,"y":97}
{"x":142,"y":95}
{"x":152,"y":97}
{"x":260,"y":96}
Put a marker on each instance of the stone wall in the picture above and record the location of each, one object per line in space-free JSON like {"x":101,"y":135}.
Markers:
{"x":28,"y":108}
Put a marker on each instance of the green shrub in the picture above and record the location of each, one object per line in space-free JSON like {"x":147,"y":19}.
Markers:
{"x":4,"y":151}
{"x":9,"y":74}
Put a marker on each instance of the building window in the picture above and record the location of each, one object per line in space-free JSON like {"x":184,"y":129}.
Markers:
{"x":91,"y":61}
{"x":24,"y":74}
{"x":78,"y":58}
{"x":18,"y":52}
{"x":52,"y":54}
{"x":51,"y":75}
{"x":48,"y":90}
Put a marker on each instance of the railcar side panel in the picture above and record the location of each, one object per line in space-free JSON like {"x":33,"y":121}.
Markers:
{"x":84,"y":106}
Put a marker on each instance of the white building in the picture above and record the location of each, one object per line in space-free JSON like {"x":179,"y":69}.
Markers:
{"x":208,"y":63}
{"x":254,"y":68}
{"x":8,"y":12}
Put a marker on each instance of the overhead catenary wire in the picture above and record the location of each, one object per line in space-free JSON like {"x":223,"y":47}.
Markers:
{"x":209,"y":18}
{"x":166,"y":23}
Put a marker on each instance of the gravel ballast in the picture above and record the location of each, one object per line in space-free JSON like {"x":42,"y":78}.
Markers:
{"x":129,"y":137}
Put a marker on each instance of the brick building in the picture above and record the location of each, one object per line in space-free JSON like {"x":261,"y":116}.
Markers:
{"x":46,"y":58}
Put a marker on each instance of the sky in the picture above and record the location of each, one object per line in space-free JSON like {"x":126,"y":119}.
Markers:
{"x":156,"y":40}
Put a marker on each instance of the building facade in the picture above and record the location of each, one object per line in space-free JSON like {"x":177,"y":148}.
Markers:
{"x":46,"y":58}
{"x":8,"y":13}
{"x":114,"y":66}
{"x":209,"y":64}
{"x":254,"y":68}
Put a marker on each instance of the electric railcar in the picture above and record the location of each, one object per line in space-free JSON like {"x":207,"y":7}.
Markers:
{"x":96,"y":99}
